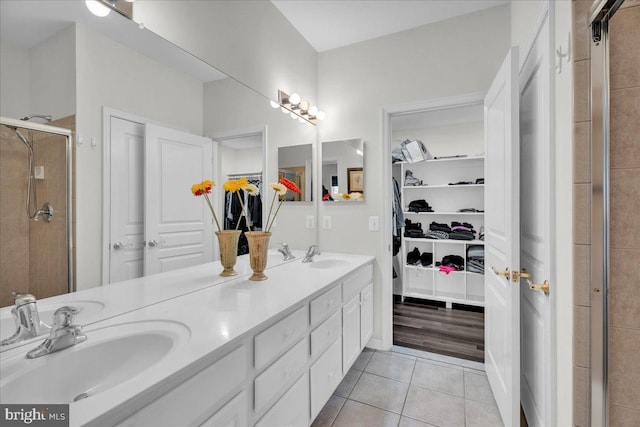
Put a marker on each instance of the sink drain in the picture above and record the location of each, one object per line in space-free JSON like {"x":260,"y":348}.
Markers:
{"x":80,"y":397}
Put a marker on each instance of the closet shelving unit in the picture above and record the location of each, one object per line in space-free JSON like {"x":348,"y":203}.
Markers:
{"x":461,"y":287}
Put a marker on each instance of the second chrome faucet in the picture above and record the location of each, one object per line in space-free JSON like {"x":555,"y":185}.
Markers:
{"x":311,"y":252}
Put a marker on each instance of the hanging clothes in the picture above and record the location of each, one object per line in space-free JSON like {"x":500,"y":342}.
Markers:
{"x":251,"y":217}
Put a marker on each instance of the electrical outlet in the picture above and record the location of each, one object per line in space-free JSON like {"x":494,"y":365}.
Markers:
{"x":311,"y":221}
{"x":374,"y":223}
{"x":326,"y":222}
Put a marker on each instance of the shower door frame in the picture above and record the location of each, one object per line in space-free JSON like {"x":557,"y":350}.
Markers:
{"x":68,"y":134}
{"x":599,"y":15}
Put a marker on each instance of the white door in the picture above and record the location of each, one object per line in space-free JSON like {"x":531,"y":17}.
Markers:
{"x":178,"y":226}
{"x":126,"y":240}
{"x":502,"y":233}
{"x":537,"y":193}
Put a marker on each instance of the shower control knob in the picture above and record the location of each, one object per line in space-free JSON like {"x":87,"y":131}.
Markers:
{"x":153,"y":243}
{"x":118,"y":246}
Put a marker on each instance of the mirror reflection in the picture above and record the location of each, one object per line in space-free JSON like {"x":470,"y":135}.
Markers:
{"x":343,"y":170}
{"x":126,"y":93}
{"x":294,"y":163}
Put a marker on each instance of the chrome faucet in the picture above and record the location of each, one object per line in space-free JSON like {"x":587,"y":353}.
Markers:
{"x":313,"y":251}
{"x":284,"y":250}
{"x":28,"y":323}
{"x":63,"y":333}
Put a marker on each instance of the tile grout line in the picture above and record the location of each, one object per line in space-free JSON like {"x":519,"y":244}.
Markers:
{"x":337,"y":413}
{"x":413,"y":370}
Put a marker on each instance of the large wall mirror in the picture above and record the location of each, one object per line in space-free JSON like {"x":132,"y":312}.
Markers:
{"x":343,"y":170}
{"x":104,"y":77}
{"x":295,"y":163}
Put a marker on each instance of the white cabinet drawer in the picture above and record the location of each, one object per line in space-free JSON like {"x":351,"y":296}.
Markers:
{"x":325,"y":304}
{"x":275,"y":339}
{"x":193,"y":400}
{"x":276,"y":376}
{"x":233,"y":414}
{"x":292,"y":410}
{"x":325,"y":375}
{"x":325,"y":334}
{"x":353,"y":283}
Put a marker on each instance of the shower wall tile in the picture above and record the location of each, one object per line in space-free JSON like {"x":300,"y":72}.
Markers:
{"x":624,"y":292}
{"x":625,"y":125}
{"x":581,"y":91}
{"x":581,"y":397}
{"x":624,"y":32}
{"x":624,"y":369}
{"x":581,"y":152}
{"x":14,"y":262}
{"x":623,"y":417}
{"x":624,"y":208}
{"x":580,"y":30}
{"x":582,"y":275}
{"x":582,"y":218}
{"x":581,"y":338}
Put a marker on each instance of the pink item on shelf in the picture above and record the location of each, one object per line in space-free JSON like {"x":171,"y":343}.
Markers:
{"x":446,"y":269}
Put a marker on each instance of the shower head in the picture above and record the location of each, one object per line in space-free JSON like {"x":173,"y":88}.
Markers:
{"x":39,"y":116}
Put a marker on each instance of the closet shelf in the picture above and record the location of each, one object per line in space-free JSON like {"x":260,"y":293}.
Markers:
{"x":443,"y":213}
{"x":451,"y":159}
{"x":409,"y":187}
{"x":420,"y":239}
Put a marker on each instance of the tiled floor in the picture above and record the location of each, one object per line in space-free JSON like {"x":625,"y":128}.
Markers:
{"x":408,"y":388}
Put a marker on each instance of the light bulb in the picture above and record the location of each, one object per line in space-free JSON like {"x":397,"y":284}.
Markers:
{"x":97,"y":8}
{"x":313,"y":110}
{"x":321,"y":115}
{"x":294,"y":99}
{"x":304,"y":105}
{"x":274,"y":104}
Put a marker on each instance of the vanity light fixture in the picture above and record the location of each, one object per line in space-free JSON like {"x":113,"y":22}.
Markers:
{"x":298,"y":108}
{"x":102,"y":8}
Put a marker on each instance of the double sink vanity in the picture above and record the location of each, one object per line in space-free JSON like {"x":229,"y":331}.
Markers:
{"x":188,"y":347}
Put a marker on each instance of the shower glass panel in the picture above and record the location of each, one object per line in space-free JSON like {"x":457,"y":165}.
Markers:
{"x":35,"y":254}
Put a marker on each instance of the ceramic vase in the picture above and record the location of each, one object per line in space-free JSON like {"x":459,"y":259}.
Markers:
{"x":258,"y":246}
{"x":228,"y":243}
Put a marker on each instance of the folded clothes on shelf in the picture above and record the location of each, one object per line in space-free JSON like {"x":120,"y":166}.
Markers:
{"x":434,"y":226}
{"x":462,"y":235}
{"x":420,"y":205}
{"x":454,"y":261}
{"x":410,"y":180}
{"x":413,"y":229}
{"x":475,"y":259}
{"x":436,"y":235}
{"x":470,"y":210}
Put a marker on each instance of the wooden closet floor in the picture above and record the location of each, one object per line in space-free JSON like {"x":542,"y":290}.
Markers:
{"x":427,"y":326}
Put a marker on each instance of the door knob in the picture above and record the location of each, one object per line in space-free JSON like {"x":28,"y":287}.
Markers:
{"x":544,"y":287}
{"x":506,"y":273}
{"x":153,"y":243}
{"x":118,"y":246}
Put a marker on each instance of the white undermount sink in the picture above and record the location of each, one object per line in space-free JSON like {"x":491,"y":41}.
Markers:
{"x":111,"y":356}
{"x":328,"y":263}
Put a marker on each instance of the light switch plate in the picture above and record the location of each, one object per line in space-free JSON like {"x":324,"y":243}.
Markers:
{"x":311,"y":221}
{"x":374,"y":223}
{"x":326,"y":222}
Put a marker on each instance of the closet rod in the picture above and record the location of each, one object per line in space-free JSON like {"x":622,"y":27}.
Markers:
{"x":246,"y":175}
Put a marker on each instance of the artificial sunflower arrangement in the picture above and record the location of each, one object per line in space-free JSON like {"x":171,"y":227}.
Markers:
{"x":204,"y":189}
{"x":232,"y":185}
{"x":348,"y":196}
{"x":279,"y":190}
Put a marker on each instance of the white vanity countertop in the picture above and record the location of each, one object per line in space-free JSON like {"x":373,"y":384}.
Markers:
{"x":104,"y":302}
{"x":214,"y":316}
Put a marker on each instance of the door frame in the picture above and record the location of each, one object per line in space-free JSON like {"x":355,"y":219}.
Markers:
{"x":386,"y":267}
{"x":107,"y":114}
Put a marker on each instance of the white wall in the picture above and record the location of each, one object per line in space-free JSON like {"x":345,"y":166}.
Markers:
{"x":249,"y":40}
{"x":14,"y":81}
{"x":39,"y":80}
{"x":457,"y":56}
{"x":112,"y":75}
{"x":52,"y":77}
{"x":467,"y":138}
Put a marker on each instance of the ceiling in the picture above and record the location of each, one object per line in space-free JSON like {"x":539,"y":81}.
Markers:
{"x":329,"y":24}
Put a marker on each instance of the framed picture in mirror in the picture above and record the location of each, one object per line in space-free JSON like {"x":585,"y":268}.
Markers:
{"x":355,"y":181}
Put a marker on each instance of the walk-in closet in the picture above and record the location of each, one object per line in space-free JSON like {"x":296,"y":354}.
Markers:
{"x":438,"y":254}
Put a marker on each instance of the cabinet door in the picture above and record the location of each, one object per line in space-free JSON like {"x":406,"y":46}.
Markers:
{"x":233,"y":414}
{"x":292,"y":410}
{"x":350,"y":332}
{"x":325,"y":375}
{"x":366,"y":315}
